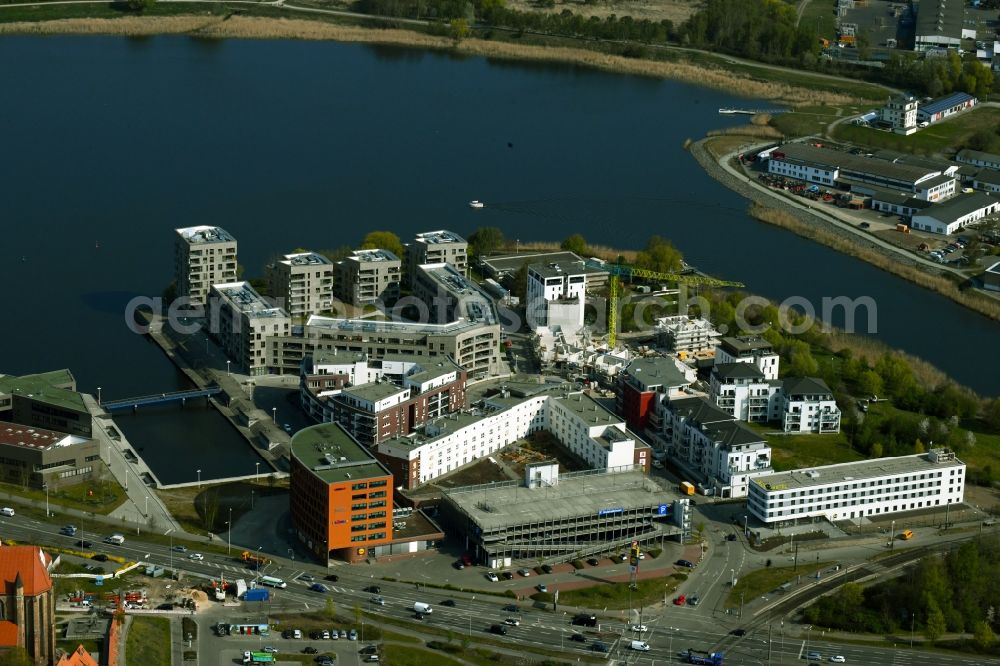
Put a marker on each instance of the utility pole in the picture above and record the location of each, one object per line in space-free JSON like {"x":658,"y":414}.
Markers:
{"x":796,"y":568}
{"x":768,"y":645}
{"x":947,"y":511}
{"x":741,"y":604}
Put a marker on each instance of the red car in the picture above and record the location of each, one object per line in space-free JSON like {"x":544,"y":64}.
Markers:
{"x":466,"y":560}
{"x":680,"y":601}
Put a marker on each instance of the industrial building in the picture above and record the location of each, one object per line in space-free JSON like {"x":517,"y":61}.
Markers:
{"x":825,"y":166}
{"x":554,"y":517}
{"x":245,"y":325}
{"x":36,"y":457}
{"x":341,"y":498}
{"x":978,"y":158}
{"x":859,"y":489}
{"x":720,"y":454}
{"x":437,"y":247}
{"x":378,"y":399}
{"x":987,"y":180}
{"x":367,"y":277}
{"x":945,"y":107}
{"x":941,"y":25}
{"x":203,"y":256}
{"x":955,"y":214}
{"x":303,"y":282}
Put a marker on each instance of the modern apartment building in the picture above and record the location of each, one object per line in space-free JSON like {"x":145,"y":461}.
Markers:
{"x":474,"y":345}
{"x":450,"y":296}
{"x":203,"y":256}
{"x":437,"y":247}
{"x":402,"y":394}
{"x":683,"y":334}
{"x":720,"y":454}
{"x":850,"y":491}
{"x":555,"y":295}
{"x":643,"y":385}
{"x":742,"y":391}
{"x":900,"y":112}
{"x":369,"y":276}
{"x":301,"y":283}
{"x":807,"y":405}
{"x":340,"y":497}
{"x":246,"y":326}
{"x":749,"y":349}
{"x":37,"y":457}
{"x":581,"y":424}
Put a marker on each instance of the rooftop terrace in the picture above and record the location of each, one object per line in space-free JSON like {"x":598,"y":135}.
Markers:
{"x":245,"y":299}
{"x":205,"y":234}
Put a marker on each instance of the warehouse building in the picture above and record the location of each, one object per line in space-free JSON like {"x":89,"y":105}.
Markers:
{"x":859,"y":489}
{"x":945,"y":107}
{"x":956,"y":214}
{"x":551,"y":517}
{"x":941,"y":25}
{"x":978,"y":158}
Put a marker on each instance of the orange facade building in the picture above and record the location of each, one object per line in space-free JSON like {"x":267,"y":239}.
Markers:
{"x":341,"y":496}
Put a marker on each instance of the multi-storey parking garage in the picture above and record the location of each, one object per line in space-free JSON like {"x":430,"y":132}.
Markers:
{"x":558,"y":517}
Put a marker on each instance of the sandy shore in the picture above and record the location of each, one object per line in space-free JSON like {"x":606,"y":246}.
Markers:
{"x":246,"y":27}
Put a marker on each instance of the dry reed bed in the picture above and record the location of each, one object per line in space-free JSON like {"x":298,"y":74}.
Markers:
{"x":602,"y":251}
{"x":937,"y":283}
{"x":271,"y":28}
{"x":753,"y":131}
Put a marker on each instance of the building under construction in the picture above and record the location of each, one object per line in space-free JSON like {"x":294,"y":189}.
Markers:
{"x":553,"y":517}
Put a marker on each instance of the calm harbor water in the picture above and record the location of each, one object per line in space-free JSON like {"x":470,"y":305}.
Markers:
{"x":112,"y":143}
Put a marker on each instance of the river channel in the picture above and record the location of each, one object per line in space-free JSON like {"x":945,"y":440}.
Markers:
{"x":111,"y":143}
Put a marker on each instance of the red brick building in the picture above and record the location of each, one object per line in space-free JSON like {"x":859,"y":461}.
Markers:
{"x":27,"y":606}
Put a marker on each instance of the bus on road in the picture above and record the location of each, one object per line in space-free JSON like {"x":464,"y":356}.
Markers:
{"x":273,"y":582}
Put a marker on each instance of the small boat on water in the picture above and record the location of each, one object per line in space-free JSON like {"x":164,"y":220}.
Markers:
{"x":727,"y":112}
{"x":476,"y":203}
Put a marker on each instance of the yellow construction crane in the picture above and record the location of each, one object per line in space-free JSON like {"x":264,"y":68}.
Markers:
{"x":618,"y":271}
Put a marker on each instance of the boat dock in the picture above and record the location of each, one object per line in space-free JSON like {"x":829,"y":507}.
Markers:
{"x":749,"y":112}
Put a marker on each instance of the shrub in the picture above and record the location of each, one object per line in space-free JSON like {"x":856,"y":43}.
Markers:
{"x":510,"y":593}
{"x":445,"y":647}
{"x":542,"y":596}
{"x":578,"y":564}
{"x":656,"y":552}
{"x":679,"y":577}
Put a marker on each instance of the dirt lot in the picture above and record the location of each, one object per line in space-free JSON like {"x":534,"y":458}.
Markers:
{"x":676,"y":11}
{"x":540,"y":446}
{"x":483,"y":471}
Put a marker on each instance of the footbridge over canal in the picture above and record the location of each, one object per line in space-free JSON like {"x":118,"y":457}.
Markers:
{"x":160,"y":399}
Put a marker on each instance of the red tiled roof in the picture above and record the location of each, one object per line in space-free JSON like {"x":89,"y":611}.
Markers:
{"x":12,"y":434}
{"x":8,"y":633}
{"x":79,"y":657}
{"x":28,"y":561}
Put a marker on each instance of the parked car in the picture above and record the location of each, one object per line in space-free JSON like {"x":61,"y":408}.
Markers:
{"x":306,"y":578}
{"x":498,"y":629}
{"x":332,"y":577}
{"x":309,"y":649}
{"x":542,"y":587}
{"x":579,"y":638}
{"x":100,"y":557}
{"x":679,"y":601}
{"x":352,"y":635}
{"x":368,"y":649}
{"x":657,"y":464}
{"x":506,"y":575}
{"x":325,"y":660}
{"x":598,"y":646}
{"x":318,"y":587}
{"x":315,"y":635}
{"x":524,"y":572}
{"x":547,"y":568}
{"x":593,"y":562}
{"x":458,"y":565}
{"x":448,"y":602}
{"x":492,"y":577}
{"x":684,"y":563}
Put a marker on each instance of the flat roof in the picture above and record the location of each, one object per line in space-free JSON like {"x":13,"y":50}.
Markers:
{"x":588,"y":409}
{"x":656,"y":371}
{"x":245,"y":299}
{"x":737,"y":371}
{"x":375,"y":391}
{"x":333,"y":455}
{"x":970,"y":155}
{"x":372,"y":255}
{"x":472,"y":303}
{"x":940,"y":18}
{"x":306,"y":259}
{"x":510,"y":264}
{"x":558,"y":268}
{"x":383,"y":326}
{"x":438,"y":237}
{"x":585,"y":493}
{"x":337,"y":357}
{"x":990,"y":176}
{"x":12,"y":434}
{"x":205,"y":234}
{"x":745,"y":344}
{"x":41,"y":388}
{"x":853,"y":471}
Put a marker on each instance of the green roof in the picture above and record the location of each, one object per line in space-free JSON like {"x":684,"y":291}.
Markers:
{"x":333,"y":455}
{"x":45,"y":387}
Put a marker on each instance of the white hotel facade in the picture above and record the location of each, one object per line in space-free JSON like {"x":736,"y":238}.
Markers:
{"x":859,"y":489}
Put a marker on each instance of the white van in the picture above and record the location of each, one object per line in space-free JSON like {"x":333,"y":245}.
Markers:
{"x":6,"y":511}
{"x":116,"y":539}
{"x":641,"y":646}
{"x":421,"y":607}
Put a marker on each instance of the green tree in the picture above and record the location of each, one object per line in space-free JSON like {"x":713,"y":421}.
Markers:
{"x":140,"y":5}
{"x":485,"y":241}
{"x":983,"y":634}
{"x":659,"y":255}
{"x":935,"y":626}
{"x":992,"y":414}
{"x":576,"y":244}
{"x":331,"y":609}
{"x":338,"y":253}
{"x":458,"y":29}
{"x":385,"y":240}
{"x":519,"y":283}
{"x":870,"y":383}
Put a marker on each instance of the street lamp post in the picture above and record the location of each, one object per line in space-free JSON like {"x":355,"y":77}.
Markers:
{"x":892,"y":536}
{"x":199,"y":478}
{"x":274,"y":415}
{"x":256,"y":472}
{"x":228,"y":362}
{"x":98,"y":395}
{"x":229,"y":533}
{"x":745,"y":528}
{"x":146,"y":512}
{"x":913,"y":617}
{"x":732,"y":578}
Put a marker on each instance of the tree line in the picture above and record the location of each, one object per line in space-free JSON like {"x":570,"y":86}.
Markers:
{"x":958,"y":593}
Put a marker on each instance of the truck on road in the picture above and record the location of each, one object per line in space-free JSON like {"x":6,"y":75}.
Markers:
{"x":421,"y":607}
{"x":687,"y":488}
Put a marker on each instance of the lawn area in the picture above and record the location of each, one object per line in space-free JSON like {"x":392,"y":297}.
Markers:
{"x":762,"y":581}
{"x":798,"y":451}
{"x":617,"y":595}
{"x":821,"y":15}
{"x":99,"y":496}
{"x":148,"y":641}
{"x":944,"y":137}
{"x":401,"y":655}
{"x":206,"y":509}
{"x":809,"y":120}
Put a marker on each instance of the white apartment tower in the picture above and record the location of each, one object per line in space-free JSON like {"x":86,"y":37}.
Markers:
{"x":203,"y":256}
{"x":754,"y":350}
{"x":555,"y":295}
{"x":303,"y":282}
